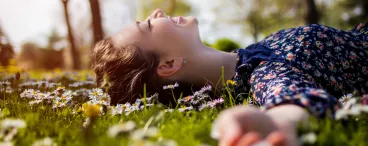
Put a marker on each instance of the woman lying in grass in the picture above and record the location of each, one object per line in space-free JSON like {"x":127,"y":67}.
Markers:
{"x":287,"y":72}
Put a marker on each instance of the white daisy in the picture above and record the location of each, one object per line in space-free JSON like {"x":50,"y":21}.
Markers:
{"x":140,"y":134}
{"x":114,"y":130}
{"x":44,"y":142}
{"x":170,"y":86}
{"x":345,"y":98}
{"x":13,"y":123}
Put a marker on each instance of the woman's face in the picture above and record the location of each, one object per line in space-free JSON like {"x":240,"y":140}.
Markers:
{"x":166,"y":36}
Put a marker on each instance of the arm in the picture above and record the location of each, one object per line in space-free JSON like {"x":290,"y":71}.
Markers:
{"x":275,"y":84}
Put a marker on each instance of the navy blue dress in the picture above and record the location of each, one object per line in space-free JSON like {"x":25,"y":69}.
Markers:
{"x":308,"y":66}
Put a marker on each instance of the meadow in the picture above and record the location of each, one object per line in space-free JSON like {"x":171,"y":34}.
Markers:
{"x":66,"y":108}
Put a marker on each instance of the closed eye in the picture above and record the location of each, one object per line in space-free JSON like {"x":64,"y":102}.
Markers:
{"x":149,"y":23}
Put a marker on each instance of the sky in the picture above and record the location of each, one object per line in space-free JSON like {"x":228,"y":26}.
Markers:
{"x":34,"y":20}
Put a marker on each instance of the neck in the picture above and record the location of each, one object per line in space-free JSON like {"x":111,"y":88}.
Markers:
{"x":206,"y":67}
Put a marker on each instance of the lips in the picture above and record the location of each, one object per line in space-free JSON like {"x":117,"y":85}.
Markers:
{"x":177,"y":20}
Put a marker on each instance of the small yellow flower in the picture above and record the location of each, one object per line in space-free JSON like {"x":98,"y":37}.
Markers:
{"x":92,"y":110}
{"x":230,"y":82}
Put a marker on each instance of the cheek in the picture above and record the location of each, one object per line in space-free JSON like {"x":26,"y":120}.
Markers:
{"x":166,"y":30}
{"x":168,"y":34}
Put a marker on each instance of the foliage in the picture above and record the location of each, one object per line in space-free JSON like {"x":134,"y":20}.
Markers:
{"x":77,"y":124}
{"x":226,"y":45}
{"x":345,"y":14}
{"x":35,"y":57}
{"x":170,"y":7}
{"x":206,"y":43}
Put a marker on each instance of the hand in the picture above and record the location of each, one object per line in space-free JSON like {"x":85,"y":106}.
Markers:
{"x":243,"y":126}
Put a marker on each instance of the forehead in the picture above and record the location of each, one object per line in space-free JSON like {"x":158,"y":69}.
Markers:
{"x":131,"y":34}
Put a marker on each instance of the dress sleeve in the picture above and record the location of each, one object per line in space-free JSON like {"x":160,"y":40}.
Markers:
{"x":277,"y":83}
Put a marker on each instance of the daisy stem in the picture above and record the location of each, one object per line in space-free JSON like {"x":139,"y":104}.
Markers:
{"x":223,"y":75}
{"x":144,"y":96}
{"x":148,"y":124}
{"x":172,"y":92}
{"x":181,"y":96}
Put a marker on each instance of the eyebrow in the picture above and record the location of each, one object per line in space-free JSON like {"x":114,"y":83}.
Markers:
{"x":137,"y":25}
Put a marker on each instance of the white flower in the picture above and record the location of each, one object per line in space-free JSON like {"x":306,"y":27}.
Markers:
{"x":182,"y":109}
{"x":341,"y":114}
{"x":44,"y":142}
{"x":86,"y":122}
{"x":95,"y":93}
{"x":35,"y":102}
{"x":203,"y":89}
{"x":140,"y":134}
{"x":5,"y":83}
{"x":355,"y":110}
{"x":364,"y":108}
{"x":215,"y":133}
{"x":76,"y":84}
{"x":10,"y":134}
{"x":48,"y":96}
{"x":345,"y":98}
{"x":117,"y":110}
{"x":67,"y":95}
{"x":7,"y":143}
{"x":170,"y":86}
{"x":169,"y":110}
{"x":203,"y":106}
{"x":350,"y":103}
{"x":29,"y":93}
{"x":309,"y":138}
{"x":153,"y":97}
{"x":121,"y":128}
{"x":13,"y":123}
{"x":147,"y":105}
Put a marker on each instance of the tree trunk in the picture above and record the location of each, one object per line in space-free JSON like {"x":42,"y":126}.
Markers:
{"x":96,"y":20}
{"x":312,"y":16}
{"x":6,"y":49}
{"x":74,"y":51}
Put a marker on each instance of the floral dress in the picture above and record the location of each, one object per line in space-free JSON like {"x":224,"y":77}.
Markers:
{"x":308,"y":66}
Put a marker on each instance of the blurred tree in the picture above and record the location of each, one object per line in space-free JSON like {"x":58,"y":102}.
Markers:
{"x":96,"y":20}
{"x":34,"y":57}
{"x":206,"y":43}
{"x":74,"y":51}
{"x":345,"y":14}
{"x":226,"y":45}
{"x":170,"y":7}
{"x":54,"y":40}
{"x":27,"y":58}
{"x":6,"y":49}
{"x":312,"y":16}
{"x":263,"y":17}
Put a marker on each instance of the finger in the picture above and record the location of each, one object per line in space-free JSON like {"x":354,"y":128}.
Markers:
{"x":276,"y":139}
{"x":230,"y":133}
{"x":249,"y":139}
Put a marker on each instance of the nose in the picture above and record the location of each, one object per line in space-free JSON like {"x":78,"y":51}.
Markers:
{"x":159,"y":13}
{"x":156,"y":14}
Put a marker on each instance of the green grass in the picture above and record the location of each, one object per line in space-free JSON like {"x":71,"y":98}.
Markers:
{"x":65,"y":125}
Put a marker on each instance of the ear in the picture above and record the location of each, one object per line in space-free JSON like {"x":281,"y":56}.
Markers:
{"x":168,"y":67}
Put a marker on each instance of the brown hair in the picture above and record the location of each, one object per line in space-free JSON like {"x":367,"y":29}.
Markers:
{"x":128,"y":68}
